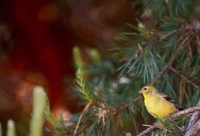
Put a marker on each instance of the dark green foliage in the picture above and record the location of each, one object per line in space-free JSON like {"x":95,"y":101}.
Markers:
{"x":107,"y":96}
{"x":168,"y":8}
{"x":171,"y":127}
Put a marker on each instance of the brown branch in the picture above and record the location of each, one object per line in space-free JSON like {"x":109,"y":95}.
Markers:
{"x":172,"y":59}
{"x":193,"y":120}
{"x":195,"y":130}
{"x":185,"y":78}
{"x":161,"y":73}
{"x":186,"y":38}
{"x":146,"y":131}
{"x":186,"y":111}
{"x":168,"y":65}
{"x":153,"y":40}
{"x":189,"y":110}
{"x":167,"y":35}
{"x":79,"y":120}
{"x":194,"y":26}
{"x":129,"y":104}
{"x":194,"y":126}
{"x":126,"y":105}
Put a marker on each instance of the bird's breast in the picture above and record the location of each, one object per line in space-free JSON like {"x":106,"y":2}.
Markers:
{"x":159,"y":107}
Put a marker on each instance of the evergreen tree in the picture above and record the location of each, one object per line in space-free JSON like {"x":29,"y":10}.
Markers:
{"x":167,"y":55}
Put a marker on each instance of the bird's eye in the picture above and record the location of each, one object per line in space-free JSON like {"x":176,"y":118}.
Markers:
{"x":145,"y":88}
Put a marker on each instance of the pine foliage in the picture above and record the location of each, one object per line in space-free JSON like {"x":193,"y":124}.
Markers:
{"x":167,"y":56}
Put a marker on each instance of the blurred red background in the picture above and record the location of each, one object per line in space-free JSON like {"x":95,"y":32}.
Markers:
{"x":41,"y":44}
{"x":36,"y":48}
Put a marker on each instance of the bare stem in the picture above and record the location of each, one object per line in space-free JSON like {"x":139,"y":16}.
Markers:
{"x":186,"y":111}
{"x":193,"y":120}
{"x":148,"y":130}
{"x":195,"y":130}
{"x":161,"y":73}
{"x":185,"y":78}
{"x":79,"y":120}
{"x":126,"y":105}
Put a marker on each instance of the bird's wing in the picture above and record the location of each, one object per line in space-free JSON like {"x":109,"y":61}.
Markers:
{"x":166,"y":97}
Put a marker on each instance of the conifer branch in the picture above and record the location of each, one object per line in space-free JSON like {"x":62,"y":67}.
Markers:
{"x":183,"y":40}
{"x":127,"y":105}
{"x":172,"y":59}
{"x":160,"y":74}
{"x":52,"y":120}
{"x":185,"y":78}
{"x":194,"y":126}
{"x":184,"y":112}
{"x":194,"y":118}
{"x":195,"y":130}
{"x":152,"y":40}
{"x":156,"y":39}
{"x":168,"y":65}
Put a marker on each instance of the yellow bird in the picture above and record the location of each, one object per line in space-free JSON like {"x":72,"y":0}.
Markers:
{"x":158,"y":104}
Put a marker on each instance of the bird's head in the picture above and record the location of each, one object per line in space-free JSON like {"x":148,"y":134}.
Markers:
{"x":148,"y":90}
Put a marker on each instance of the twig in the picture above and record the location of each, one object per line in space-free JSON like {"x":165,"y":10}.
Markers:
{"x":79,"y":120}
{"x":186,"y":111}
{"x":126,"y":105}
{"x":172,"y":59}
{"x":185,"y":78}
{"x":197,"y":40}
{"x":197,"y":26}
{"x":161,"y":73}
{"x":180,"y":91}
{"x":193,"y":120}
{"x":168,"y":65}
{"x":187,"y":37}
{"x":194,"y":130}
{"x":153,"y":40}
{"x":194,"y":26}
{"x":194,"y":126}
{"x":146,"y":131}
{"x":167,"y":35}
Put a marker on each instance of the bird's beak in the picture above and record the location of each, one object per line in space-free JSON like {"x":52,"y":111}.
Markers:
{"x":141,"y":91}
